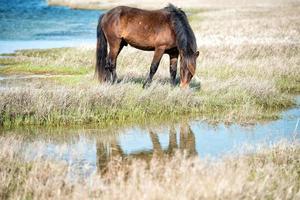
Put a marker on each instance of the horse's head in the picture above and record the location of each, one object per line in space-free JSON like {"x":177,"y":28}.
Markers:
{"x":187,"y":68}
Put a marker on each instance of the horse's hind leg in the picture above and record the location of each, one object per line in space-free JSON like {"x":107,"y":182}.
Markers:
{"x":154,"y":65}
{"x":115,"y":46}
{"x":173,"y":66}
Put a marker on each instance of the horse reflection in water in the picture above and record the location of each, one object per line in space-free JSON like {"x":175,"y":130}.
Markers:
{"x":107,"y":151}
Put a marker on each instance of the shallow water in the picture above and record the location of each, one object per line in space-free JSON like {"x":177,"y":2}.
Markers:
{"x":33,"y":24}
{"x":88,"y":150}
{"x":13,"y":45}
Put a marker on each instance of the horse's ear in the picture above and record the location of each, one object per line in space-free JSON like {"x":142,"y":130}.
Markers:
{"x":197,"y":54}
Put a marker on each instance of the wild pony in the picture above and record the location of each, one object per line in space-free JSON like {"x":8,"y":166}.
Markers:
{"x":164,"y":31}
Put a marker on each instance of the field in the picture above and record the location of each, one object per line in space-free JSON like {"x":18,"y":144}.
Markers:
{"x":248,"y":68}
{"x":249,"y":73}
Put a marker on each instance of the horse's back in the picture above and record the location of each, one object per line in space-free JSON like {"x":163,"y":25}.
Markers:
{"x":144,"y":29}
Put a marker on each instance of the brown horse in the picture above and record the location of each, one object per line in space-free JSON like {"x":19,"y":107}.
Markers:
{"x":164,"y":31}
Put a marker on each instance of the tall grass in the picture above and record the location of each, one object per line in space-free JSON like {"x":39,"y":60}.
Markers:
{"x":63,"y":105}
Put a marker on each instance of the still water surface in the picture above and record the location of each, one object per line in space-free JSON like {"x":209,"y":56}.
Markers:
{"x":32,"y":24}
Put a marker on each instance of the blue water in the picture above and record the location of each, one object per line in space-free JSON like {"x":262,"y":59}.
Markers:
{"x":28,"y":21}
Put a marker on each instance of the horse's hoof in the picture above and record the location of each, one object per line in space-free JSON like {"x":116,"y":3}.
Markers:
{"x":173,"y":83}
{"x":146,"y":85}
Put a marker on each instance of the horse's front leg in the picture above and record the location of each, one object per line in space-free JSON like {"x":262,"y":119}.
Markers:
{"x":158,"y":53}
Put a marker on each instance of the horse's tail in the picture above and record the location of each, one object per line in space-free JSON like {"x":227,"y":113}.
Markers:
{"x":101,"y":53}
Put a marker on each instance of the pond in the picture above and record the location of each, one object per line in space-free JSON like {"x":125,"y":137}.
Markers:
{"x":87,"y":150}
{"x":32,"y":24}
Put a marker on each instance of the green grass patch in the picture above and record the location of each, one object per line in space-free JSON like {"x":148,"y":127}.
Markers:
{"x":73,"y":80}
{"x":63,"y":61}
{"x":289,"y":84}
{"x":27,"y":68}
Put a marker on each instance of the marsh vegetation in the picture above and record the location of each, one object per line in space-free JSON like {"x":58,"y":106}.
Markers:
{"x":249,"y":72}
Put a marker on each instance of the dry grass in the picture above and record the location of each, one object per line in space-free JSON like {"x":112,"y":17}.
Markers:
{"x":271,"y":173}
{"x":118,"y":103}
{"x":248,"y":67}
{"x":235,"y":100}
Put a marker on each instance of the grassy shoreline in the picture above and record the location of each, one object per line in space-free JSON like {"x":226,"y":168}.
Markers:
{"x":78,"y":99}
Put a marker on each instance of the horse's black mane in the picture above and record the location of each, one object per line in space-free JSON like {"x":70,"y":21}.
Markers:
{"x":185,"y":37}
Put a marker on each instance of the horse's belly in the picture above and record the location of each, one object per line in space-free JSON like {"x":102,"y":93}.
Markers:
{"x":141,"y":45}
{"x":148,"y":40}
